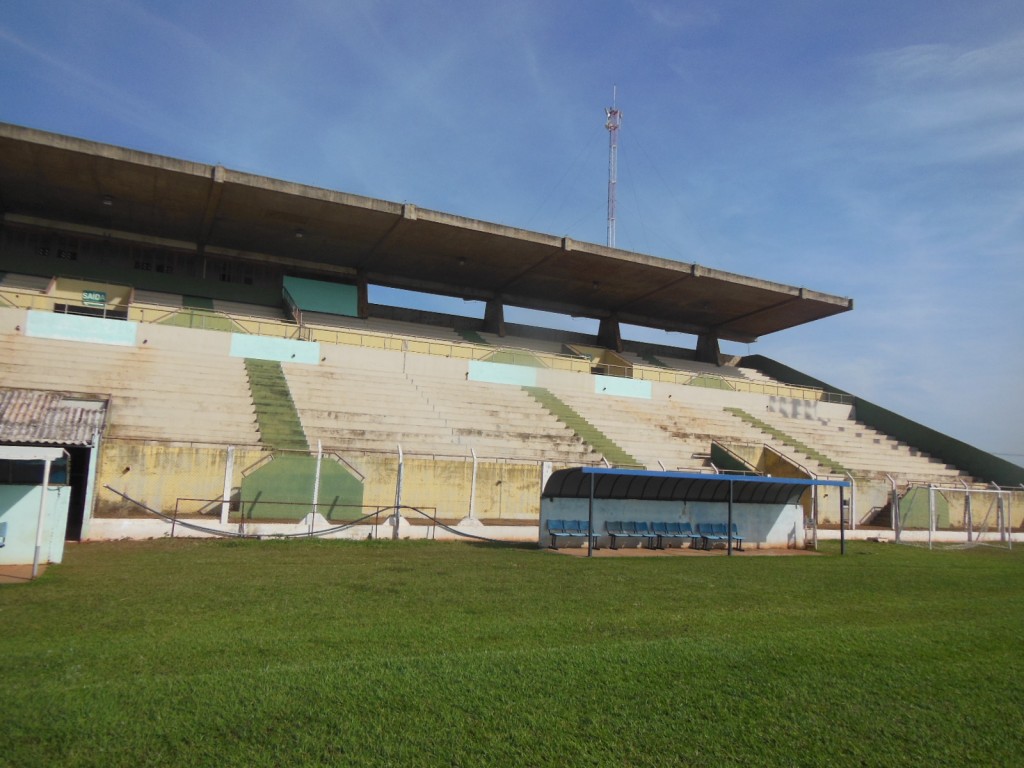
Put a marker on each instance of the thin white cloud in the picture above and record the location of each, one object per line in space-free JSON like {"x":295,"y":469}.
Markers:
{"x":959,"y":104}
{"x":75,"y":81}
{"x":677,"y":15}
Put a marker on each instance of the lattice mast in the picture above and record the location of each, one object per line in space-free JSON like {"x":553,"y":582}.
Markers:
{"x":613,"y":119}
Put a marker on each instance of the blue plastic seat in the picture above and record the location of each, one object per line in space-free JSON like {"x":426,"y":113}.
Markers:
{"x":568,"y":529}
{"x":708,"y":534}
{"x":686,"y":529}
{"x":642,"y":531}
{"x":661,"y":532}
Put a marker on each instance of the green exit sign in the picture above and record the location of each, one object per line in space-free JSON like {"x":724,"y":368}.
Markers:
{"x":94,"y":298}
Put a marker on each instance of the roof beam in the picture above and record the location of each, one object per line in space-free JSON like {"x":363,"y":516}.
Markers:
{"x":212,"y":205}
{"x":395,"y":230}
{"x":566,"y":247}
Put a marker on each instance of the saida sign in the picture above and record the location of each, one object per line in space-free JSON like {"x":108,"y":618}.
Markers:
{"x":94,"y":298}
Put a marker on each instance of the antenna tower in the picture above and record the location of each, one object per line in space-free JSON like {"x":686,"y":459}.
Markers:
{"x":613,"y":119}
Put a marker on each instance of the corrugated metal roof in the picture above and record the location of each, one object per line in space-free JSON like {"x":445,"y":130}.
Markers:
{"x":647,"y":485}
{"x":39,"y":416}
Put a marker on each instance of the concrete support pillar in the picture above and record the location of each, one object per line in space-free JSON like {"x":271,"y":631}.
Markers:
{"x":494,"y":317}
{"x":362,"y":296}
{"x":707,"y":349}
{"x":608,"y":334}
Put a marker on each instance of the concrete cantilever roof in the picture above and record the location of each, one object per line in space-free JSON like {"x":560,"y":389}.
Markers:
{"x":55,"y":180}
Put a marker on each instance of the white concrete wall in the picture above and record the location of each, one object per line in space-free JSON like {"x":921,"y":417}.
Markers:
{"x":19,"y":508}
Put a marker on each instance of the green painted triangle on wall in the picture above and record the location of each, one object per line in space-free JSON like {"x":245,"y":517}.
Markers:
{"x":650,"y":358}
{"x":197,"y":302}
{"x":201,"y":319}
{"x":472,"y":336}
{"x":709,"y":382}
{"x":515,"y":357}
{"x":914,"y":509}
{"x":282,"y":489}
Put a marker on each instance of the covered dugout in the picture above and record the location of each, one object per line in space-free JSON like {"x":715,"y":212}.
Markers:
{"x":766,"y":510}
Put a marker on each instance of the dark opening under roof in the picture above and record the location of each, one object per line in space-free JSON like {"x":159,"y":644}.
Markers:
{"x":646,"y":485}
{"x":48,"y":180}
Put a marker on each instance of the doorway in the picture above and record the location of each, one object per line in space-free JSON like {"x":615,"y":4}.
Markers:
{"x":78,"y":479}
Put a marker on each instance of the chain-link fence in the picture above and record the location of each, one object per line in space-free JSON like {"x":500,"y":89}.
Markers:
{"x":964,"y":516}
{"x":225,"y":484}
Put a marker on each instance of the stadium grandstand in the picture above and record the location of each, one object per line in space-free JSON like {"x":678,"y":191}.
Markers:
{"x":201,"y":343}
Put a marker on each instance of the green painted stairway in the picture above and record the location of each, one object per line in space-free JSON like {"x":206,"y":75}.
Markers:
{"x":282,"y":489}
{"x":278,"y":420}
{"x":789,"y":440}
{"x":586,"y":431}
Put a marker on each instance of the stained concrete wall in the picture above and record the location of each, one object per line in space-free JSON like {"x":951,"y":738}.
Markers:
{"x":504,"y":490}
{"x":159,"y":474}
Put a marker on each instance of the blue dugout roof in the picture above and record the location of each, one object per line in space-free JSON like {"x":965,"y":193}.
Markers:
{"x":647,"y":485}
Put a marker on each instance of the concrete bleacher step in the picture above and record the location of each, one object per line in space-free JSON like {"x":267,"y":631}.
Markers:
{"x":657,"y":432}
{"x":155,"y":393}
{"x":788,"y":440}
{"x":157,"y":299}
{"x":19,"y":282}
{"x":863,"y":449}
{"x":587,"y":432}
{"x":499,"y":416}
{"x":440,"y":413}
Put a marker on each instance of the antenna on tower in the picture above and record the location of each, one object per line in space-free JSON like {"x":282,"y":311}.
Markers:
{"x":613,"y":119}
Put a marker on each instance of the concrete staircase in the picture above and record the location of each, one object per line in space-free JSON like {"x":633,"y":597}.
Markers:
{"x":586,"y":431}
{"x":279,"y":423}
{"x":792,"y":443}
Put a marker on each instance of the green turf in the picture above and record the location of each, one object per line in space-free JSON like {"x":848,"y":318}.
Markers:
{"x":422,"y":653}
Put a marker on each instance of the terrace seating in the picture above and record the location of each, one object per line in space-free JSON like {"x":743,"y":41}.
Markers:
{"x":629,"y":529}
{"x":712,"y":533}
{"x":439,"y":413}
{"x":569,"y":529}
{"x":672,"y":531}
{"x":709,"y":535}
{"x":172,"y":391}
{"x":860,"y":448}
{"x":666,"y":434}
{"x":722,"y":530}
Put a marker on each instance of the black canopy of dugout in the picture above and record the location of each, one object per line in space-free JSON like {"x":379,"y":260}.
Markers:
{"x":647,"y":485}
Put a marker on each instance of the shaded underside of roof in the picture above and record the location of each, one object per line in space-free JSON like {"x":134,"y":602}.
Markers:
{"x":645,"y":485}
{"x":59,"y":418}
{"x":59,"y":181}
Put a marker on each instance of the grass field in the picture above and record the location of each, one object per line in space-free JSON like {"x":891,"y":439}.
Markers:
{"x":221,"y":653}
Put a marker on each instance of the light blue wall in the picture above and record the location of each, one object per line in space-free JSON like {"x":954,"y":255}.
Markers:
{"x":614,"y":385}
{"x":321,"y":296}
{"x":94,"y":330}
{"x":281,"y":350}
{"x":502,"y":373}
{"x":19,"y":508}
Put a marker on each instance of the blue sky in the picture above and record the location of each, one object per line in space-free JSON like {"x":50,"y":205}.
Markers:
{"x":866,"y":149}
